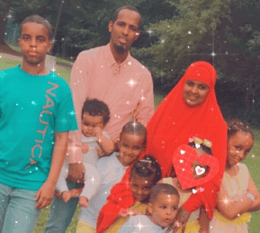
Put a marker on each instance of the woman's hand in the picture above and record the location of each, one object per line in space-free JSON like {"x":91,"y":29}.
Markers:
{"x":180,"y":220}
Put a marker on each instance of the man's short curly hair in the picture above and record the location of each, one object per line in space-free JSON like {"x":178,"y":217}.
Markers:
{"x":128,"y":7}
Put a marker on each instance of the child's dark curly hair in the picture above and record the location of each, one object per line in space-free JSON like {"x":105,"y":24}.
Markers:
{"x":236,"y":125}
{"x":95,"y":107}
{"x":147,"y":167}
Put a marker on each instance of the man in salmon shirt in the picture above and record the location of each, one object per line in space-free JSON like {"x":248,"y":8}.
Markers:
{"x":108,"y":73}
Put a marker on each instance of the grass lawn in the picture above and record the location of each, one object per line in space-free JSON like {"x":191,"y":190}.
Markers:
{"x":59,"y":60}
{"x":252,"y":161}
{"x":6,"y":63}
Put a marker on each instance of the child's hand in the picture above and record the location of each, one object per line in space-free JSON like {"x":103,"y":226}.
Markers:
{"x":98,"y":131}
{"x":83,"y":201}
{"x":45,"y":195}
{"x":85,"y":148}
{"x":129,"y":212}
{"x":100,"y":152}
{"x":66,"y":196}
{"x":180,"y":220}
{"x":132,"y":212}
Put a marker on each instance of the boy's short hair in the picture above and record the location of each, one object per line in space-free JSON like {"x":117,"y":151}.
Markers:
{"x":162,"y":188}
{"x":95,"y":107}
{"x":40,"y":20}
{"x":134,"y":128}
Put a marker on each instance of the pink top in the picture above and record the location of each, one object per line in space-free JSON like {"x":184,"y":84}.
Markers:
{"x":126,"y":88}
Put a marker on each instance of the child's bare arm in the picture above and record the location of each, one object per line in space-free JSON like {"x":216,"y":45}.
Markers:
{"x":107,"y":145}
{"x":253,"y":189}
{"x":129,"y":212}
{"x":203,"y":221}
{"x":45,"y":194}
{"x":231,"y":209}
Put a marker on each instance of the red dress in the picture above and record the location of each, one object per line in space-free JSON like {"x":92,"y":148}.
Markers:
{"x":173,"y":123}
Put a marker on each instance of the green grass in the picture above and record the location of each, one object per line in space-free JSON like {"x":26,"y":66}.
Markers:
{"x":59,"y":60}
{"x":63,"y":61}
{"x":252,"y":161}
{"x":42,"y":222}
{"x":15,"y":48}
{"x":64,"y":73}
{"x":6,"y":63}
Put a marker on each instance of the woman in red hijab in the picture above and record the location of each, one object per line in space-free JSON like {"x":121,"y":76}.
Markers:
{"x":189,"y":110}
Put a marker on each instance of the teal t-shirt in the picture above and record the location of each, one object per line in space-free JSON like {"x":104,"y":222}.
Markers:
{"x":32,"y":109}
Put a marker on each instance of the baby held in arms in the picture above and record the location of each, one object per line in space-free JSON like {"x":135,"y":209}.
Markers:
{"x":95,"y":115}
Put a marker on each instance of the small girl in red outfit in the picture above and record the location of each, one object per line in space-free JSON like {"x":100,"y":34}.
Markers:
{"x":144,"y":174}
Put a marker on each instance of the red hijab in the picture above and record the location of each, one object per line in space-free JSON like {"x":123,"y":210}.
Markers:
{"x":173,"y":123}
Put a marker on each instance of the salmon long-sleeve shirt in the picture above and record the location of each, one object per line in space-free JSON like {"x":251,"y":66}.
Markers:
{"x":126,"y":88}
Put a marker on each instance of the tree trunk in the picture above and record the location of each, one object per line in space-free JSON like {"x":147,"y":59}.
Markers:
{"x":3,"y":20}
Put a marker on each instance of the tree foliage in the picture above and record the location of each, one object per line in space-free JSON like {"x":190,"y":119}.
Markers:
{"x":223,"y":32}
{"x":4,"y":9}
{"x":174,"y":34}
{"x":187,"y":36}
{"x":83,"y":24}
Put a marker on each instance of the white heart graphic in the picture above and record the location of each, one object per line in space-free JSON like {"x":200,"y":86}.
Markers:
{"x":194,"y":190}
{"x":182,"y":152}
{"x":199,"y":170}
{"x":197,"y":145}
{"x":181,"y":161}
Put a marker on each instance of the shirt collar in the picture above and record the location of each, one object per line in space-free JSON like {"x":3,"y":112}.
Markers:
{"x":110,"y":60}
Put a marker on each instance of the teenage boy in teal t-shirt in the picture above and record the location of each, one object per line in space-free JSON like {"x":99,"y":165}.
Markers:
{"x":36,"y":113}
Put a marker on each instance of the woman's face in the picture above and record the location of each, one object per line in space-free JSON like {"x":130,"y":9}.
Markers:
{"x":194,"y":92}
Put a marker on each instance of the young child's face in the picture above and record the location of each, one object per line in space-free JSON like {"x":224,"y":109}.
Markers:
{"x":239,"y":145}
{"x":140,"y":186}
{"x":34,"y":43}
{"x":89,"y":123}
{"x":130,"y":147}
{"x":197,"y":164}
{"x":164,"y":209}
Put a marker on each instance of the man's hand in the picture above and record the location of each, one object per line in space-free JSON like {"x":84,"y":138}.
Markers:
{"x":180,"y":220}
{"x":45,"y":195}
{"x":76,"y":172}
{"x":57,"y":194}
